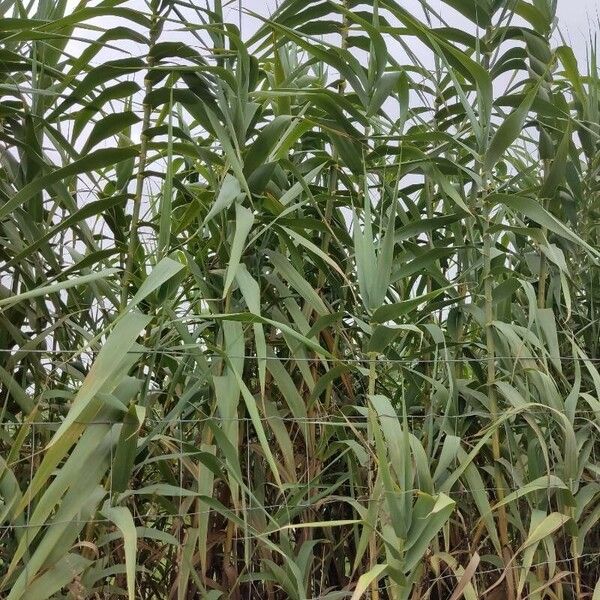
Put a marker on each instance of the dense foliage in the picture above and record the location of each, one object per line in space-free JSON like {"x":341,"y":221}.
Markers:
{"x":309,"y":311}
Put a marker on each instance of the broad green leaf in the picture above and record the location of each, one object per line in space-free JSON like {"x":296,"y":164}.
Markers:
{"x":366,"y":579}
{"x":108,"y":361}
{"x":547,"y":527}
{"x":56,"y":577}
{"x":122,"y":518}
{"x":508,"y":131}
{"x":161,"y":273}
{"x":100,"y":159}
{"x":542,"y":483}
{"x":109,"y":125}
{"x":389,"y":312}
{"x":57,"y":287}
{"x":244,"y":220}
{"x":535,"y":211}
{"x":230,"y":190}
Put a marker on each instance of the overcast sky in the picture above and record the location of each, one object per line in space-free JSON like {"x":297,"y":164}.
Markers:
{"x":579,"y":19}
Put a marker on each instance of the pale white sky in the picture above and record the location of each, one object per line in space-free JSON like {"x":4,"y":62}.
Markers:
{"x":579,"y":19}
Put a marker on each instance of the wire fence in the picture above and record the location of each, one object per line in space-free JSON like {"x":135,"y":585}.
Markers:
{"x":335,"y":420}
{"x":280,"y":506}
{"x":352,"y":421}
{"x":175,"y":351}
{"x":318,"y":500}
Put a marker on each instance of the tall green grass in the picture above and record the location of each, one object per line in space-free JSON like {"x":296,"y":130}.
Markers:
{"x":308,"y":310}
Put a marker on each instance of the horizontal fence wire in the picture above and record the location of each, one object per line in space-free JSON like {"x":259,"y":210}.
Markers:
{"x":337,"y":420}
{"x":174,"y":351}
{"x":302,"y":506}
{"x":444,"y":576}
